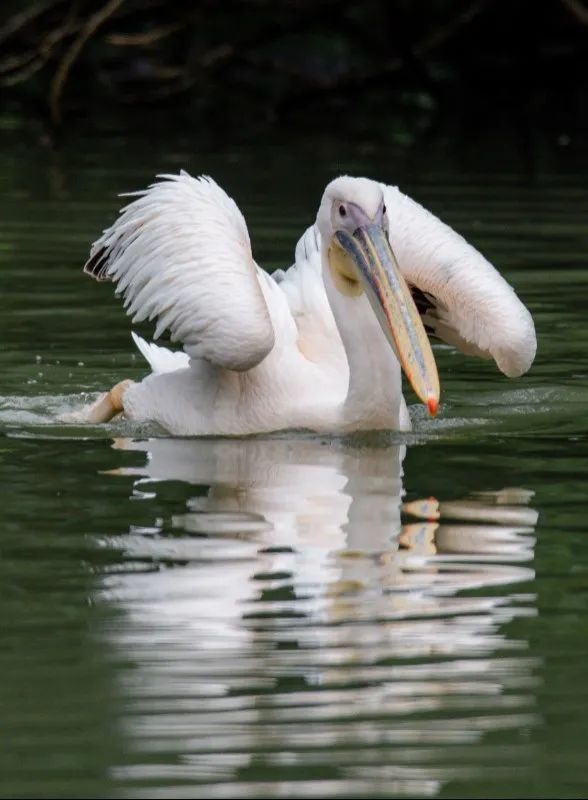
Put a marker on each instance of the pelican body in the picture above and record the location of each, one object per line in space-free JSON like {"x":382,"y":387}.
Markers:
{"x":321,"y":345}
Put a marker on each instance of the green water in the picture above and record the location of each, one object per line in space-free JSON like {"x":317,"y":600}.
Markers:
{"x":264,"y":618}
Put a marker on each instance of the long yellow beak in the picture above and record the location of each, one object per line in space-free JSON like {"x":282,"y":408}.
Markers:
{"x":392,"y":302}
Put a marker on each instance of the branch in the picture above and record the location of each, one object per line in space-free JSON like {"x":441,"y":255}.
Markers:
{"x":18,"y":21}
{"x":60,"y":77}
{"x":21,"y":68}
{"x":143,"y":39}
{"x":441,"y":35}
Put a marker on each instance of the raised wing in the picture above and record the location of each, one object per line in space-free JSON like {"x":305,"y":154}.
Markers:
{"x":462,"y":298}
{"x":180,"y":253}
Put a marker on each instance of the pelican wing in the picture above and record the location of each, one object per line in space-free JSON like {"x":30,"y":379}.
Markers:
{"x":180,"y":254}
{"x":462,"y":298}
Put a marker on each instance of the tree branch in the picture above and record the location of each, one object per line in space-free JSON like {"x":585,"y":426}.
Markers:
{"x":87,"y":31}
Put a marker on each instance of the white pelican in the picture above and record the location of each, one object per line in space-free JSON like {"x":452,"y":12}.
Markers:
{"x":319,"y":346}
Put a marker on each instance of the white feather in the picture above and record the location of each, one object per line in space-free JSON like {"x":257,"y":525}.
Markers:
{"x":303,"y":285}
{"x":477,"y":310}
{"x":160,"y":359}
{"x":180,"y":253}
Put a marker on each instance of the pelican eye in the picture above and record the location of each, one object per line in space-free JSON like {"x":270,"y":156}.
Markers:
{"x":342,"y":211}
{"x":383,"y":210}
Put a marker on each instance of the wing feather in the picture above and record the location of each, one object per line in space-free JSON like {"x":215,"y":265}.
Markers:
{"x":180,"y":254}
{"x":318,"y":338}
{"x":462,"y":298}
{"x":160,"y":359}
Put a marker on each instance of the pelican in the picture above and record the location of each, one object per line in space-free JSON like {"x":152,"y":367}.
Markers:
{"x":321,"y":345}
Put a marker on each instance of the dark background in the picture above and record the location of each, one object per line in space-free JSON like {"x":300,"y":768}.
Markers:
{"x":237,"y":70}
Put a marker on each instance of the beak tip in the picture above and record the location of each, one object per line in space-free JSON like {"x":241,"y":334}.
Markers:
{"x":433,"y":405}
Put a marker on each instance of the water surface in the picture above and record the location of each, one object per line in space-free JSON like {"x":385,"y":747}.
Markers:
{"x":291,"y":615}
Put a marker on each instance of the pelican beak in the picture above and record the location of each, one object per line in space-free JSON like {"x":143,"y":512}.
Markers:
{"x":379,"y":274}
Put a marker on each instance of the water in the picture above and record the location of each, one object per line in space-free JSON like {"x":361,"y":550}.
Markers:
{"x":291,"y":615}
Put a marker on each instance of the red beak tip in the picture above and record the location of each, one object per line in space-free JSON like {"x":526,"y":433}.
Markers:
{"x":433,"y":406}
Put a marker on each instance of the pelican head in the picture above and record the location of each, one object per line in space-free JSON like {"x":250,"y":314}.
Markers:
{"x":354,"y":227}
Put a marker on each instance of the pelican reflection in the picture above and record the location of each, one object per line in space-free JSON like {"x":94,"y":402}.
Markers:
{"x":303,"y":603}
